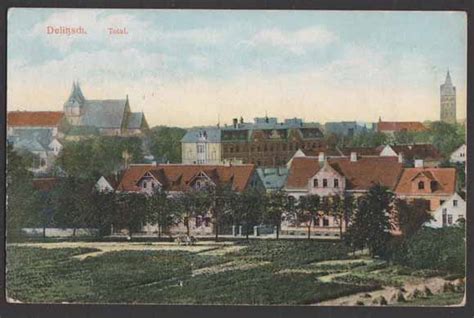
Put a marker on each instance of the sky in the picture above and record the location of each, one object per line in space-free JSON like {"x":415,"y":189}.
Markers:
{"x":198,"y":67}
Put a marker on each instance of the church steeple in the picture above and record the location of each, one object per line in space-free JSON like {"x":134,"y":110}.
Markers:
{"x":73,"y":107}
{"x":448,"y":79}
{"x":448,"y":101}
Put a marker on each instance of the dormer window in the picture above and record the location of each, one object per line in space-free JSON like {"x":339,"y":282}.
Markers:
{"x":336,"y":183}
{"x":315,"y":183}
{"x":144,"y":185}
{"x":421,"y":185}
{"x":325,"y":183}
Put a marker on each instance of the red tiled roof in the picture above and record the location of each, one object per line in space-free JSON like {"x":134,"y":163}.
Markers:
{"x":363,"y":151}
{"x":176,"y":177}
{"x":360,"y":175}
{"x":446,"y":178}
{"x":413,"y":126}
{"x":418,"y":151}
{"x":45,"y":184}
{"x":34,"y":119}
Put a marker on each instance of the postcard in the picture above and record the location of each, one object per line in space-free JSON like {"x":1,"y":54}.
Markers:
{"x":236,"y":157}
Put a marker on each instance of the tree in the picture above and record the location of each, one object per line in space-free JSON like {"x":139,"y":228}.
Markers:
{"x":103,"y":208}
{"x":98,"y":156}
{"x":337,"y":210}
{"x":72,"y":201}
{"x":131,"y":211}
{"x":161,"y":210}
{"x":192,"y":204}
{"x":22,"y":199}
{"x":277,"y":204}
{"x":165,"y":142}
{"x":410,"y":216}
{"x":250,"y":208}
{"x":371,"y":224}
{"x":446,"y":137}
{"x":222,"y":204}
{"x":307,"y":210}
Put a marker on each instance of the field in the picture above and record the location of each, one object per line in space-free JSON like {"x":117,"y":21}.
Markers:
{"x":255,"y":272}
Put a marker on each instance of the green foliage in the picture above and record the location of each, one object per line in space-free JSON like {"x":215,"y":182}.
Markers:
{"x":71,"y":201}
{"x":276,"y":205}
{"x":165,"y":142}
{"x":249,"y":209}
{"x":411,"y":216}
{"x":370,"y":226}
{"x":307,"y":209}
{"x":446,"y":137}
{"x":170,"y":277}
{"x":99,"y":156}
{"x":23,"y":201}
{"x":441,"y":249}
{"x":161,"y":210}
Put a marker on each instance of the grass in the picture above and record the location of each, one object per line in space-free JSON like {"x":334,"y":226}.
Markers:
{"x":263,"y":272}
{"x":53,"y":275}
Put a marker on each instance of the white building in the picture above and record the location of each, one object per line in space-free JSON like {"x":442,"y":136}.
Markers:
{"x":459,"y":155}
{"x":201,"y":146}
{"x":449,"y":212}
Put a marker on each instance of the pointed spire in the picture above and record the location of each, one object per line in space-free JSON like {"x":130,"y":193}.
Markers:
{"x":448,"y":79}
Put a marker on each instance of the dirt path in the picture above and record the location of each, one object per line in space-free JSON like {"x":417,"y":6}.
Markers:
{"x":105,"y":247}
{"x":435,"y":284}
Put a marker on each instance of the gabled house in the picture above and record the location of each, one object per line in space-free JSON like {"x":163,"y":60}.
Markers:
{"x":410,"y":153}
{"x":175,"y":179}
{"x":338,"y":176}
{"x":459,"y":155}
{"x":449,"y":212}
{"x":437,"y":185}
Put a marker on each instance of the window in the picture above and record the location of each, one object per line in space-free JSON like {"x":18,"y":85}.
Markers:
{"x":200,"y":148}
{"x":336,"y":183}
{"x":198,"y":184}
{"x":152,"y":184}
{"x":144,"y":185}
{"x":42,"y":162}
{"x":455,"y":202}
{"x":236,"y":148}
{"x":315,"y":183}
{"x":325,"y":183}
{"x":421,"y":185}
{"x":450,"y":219}
{"x":441,"y":202}
{"x":325,"y":222}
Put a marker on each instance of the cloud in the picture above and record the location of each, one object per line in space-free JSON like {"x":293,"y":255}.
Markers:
{"x":297,"y":42}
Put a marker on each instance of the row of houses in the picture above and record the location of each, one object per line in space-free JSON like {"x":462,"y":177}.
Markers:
{"x":321,"y":175}
{"x":269,"y":143}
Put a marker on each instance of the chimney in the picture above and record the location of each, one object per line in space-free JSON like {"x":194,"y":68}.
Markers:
{"x":353,"y":156}
{"x":400,"y":157}
{"x":234,"y":122}
{"x":321,"y":157}
{"x":419,"y":163}
{"x":241,"y":119}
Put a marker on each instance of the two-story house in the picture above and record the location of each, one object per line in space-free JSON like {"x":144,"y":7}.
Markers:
{"x":176,"y":179}
{"x":338,"y":176}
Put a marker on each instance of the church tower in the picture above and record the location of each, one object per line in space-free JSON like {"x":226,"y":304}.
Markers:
{"x":448,"y":101}
{"x":74,"y":106}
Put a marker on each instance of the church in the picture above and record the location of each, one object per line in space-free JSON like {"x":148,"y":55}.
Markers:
{"x":110,"y":117}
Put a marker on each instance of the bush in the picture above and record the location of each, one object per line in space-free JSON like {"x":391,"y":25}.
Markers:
{"x":432,"y":249}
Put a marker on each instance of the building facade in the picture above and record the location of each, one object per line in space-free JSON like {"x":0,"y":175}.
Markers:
{"x":175,"y":179}
{"x":448,"y":101}
{"x":201,"y":146}
{"x":266,"y":142}
{"x":347,"y":128}
{"x":392,"y":127}
{"x":449,"y":212}
{"x":459,"y":155}
{"x":111,"y":117}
